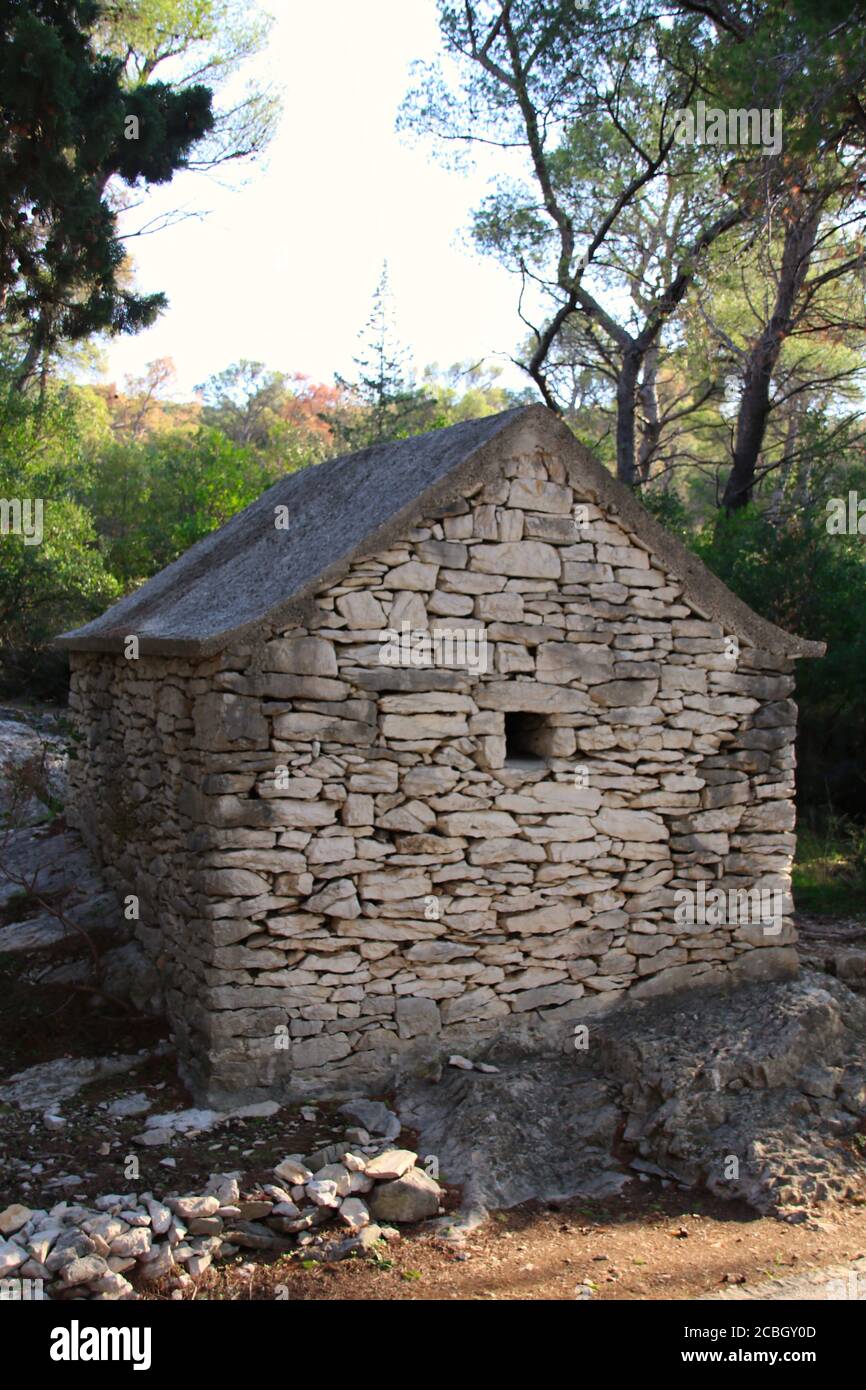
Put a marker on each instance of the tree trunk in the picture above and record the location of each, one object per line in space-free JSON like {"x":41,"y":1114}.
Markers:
{"x":777,"y":501}
{"x":650,"y":406}
{"x":626,"y":401}
{"x":755,"y":400}
{"x":28,"y":364}
{"x":803,"y":488}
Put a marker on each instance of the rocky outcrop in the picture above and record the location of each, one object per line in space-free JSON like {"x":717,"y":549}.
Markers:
{"x":756,"y":1094}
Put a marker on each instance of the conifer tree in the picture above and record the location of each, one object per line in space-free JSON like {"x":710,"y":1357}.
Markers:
{"x":69,"y":125}
{"x":391,"y":405}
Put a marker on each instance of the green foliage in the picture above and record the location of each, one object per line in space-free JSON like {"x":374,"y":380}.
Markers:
{"x":812,"y":583}
{"x":806,"y":57}
{"x":45,"y":456}
{"x":669,"y":510}
{"x":829,"y":873}
{"x":152,"y":499}
{"x":469,"y":392}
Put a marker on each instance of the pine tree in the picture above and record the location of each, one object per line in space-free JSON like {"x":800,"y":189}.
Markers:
{"x":68,"y":125}
{"x":389,"y":403}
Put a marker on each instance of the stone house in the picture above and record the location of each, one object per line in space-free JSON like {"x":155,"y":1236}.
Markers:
{"x":441,"y":743}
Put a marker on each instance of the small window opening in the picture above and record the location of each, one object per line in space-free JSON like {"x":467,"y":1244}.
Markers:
{"x":525,"y":739}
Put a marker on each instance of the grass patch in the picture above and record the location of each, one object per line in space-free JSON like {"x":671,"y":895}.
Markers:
{"x":830,"y":868}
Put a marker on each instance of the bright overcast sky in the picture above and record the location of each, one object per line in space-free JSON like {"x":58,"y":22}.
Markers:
{"x":283,"y":268}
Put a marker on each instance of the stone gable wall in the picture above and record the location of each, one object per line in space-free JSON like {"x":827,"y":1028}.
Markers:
{"x":340,"y":873}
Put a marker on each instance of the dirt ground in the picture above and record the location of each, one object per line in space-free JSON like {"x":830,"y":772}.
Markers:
{"x":654,"y":1245}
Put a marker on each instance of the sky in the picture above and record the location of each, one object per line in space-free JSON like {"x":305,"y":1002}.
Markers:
{"x":283,"y":268}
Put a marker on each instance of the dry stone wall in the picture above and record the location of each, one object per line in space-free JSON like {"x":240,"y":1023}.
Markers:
{"x":350,"y":867}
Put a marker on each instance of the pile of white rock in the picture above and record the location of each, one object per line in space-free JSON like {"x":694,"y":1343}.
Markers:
{"x":128,"y":1240}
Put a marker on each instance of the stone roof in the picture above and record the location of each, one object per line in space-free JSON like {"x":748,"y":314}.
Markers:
{"x":354,"y":507}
